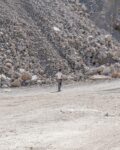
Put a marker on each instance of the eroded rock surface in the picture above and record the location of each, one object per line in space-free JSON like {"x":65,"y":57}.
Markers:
{"x":38,"y":37}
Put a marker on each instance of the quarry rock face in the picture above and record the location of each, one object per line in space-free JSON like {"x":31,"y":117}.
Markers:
{"x":39,"y":37}
{"x":105,"y":14}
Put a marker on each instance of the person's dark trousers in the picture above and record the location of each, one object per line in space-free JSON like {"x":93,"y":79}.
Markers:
{"x":59,"y":84}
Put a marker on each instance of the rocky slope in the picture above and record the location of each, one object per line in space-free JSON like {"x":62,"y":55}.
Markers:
{"x":38,"y":37}
{"x":106,"y":14}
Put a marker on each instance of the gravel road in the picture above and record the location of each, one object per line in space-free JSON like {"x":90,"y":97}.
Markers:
{"x":81,"y":117}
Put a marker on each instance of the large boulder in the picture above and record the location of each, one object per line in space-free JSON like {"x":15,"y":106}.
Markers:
{"x":116,"y":75}
{"x":16,"y":83}
{"x":107,"y":71}
{"x":100,"y":77}
{"x":4,"y":81}
{"x":26,"y":76}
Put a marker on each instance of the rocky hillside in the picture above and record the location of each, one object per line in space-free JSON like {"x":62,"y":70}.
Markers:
{"x":37,"y":37}
{"x":106,"y":14}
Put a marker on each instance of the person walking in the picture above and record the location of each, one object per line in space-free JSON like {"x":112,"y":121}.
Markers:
{"x":59,"y":77}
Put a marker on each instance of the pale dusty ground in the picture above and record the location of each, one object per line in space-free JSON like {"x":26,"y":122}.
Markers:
{"x":41,"y":119}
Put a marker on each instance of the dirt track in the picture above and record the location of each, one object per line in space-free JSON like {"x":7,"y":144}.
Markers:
{"x":85,"y":117}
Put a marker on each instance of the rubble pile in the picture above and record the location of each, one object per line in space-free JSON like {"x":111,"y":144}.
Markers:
{"x":106,"y":15}
{"x":39,"y":37}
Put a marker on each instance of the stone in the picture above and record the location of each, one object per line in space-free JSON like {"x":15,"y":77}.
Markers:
{"x":26,"y":76}
{"x":106,"y":115}
{"x":106,"y":71}
{"x":108,"y":38}
{"x":5,"y":86}
{"x":99,"y":77}
{"x":16,"y":83}
{"x":21,"y":70}
{"x":34,"y":78}
{"x":3,"y":77}
{"x":4,"y":81}
{"x":8,"y":51}
{"x":61,"y":36}
{"x":116,"y":75}
{"x":9,"y":65}
{"x":100,"y":69}
{"x":39,"y":82}
{"x":1,"y":33}
{"x":56,"y":29}
{"x":84,"y":8}
{"x":8,"y":61}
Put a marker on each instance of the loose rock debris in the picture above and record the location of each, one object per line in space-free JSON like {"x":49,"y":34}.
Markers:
{"x":38,"y":37}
